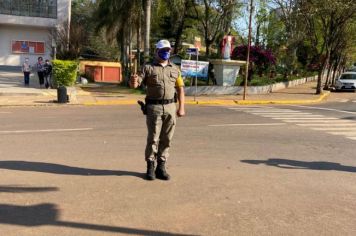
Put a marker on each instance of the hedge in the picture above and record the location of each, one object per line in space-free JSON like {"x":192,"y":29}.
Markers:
{"x":64,"y":72}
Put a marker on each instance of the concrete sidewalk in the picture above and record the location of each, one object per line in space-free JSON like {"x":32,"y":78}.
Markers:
{"x":13,"y":93}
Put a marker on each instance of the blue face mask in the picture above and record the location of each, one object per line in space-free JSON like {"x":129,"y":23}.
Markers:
{"x":164,"y":55}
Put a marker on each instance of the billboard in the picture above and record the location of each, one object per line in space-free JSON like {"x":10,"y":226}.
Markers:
{"x":191,"y":68}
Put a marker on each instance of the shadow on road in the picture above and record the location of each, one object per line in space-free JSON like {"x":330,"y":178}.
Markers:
{"x":47,"y":214}
{"x":23,"y":189}
{"x":292,"y":164}
{"x":63,"y":169}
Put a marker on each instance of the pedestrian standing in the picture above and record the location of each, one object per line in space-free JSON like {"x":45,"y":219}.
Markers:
{"x":26,"y":69}
{"x":162,"y":79}
{"x":48,"y":74}
{"x":40,"y":71}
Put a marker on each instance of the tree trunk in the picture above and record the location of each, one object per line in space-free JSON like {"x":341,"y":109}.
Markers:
{"x":327,"y":81}
{"x":207,"y":45}
{"x":148,"y":4}
{"x":178,"y":36}
{"x":138,"y":41}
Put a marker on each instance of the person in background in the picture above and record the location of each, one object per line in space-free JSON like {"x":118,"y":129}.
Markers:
{"x":47,"y":74}
{"x":40,"y":71}
{"x":26,"y":69}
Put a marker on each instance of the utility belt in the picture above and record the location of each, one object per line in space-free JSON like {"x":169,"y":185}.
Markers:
{"x":159,"y":101}
{"x":148,"y":101}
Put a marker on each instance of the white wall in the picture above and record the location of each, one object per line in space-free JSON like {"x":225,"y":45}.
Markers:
{"x":29,"y":28}
{"x":9,"y":33}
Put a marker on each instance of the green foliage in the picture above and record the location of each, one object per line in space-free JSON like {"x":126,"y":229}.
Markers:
{"x":64,"y":72}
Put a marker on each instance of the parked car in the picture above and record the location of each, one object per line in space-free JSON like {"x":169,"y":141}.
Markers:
{"x":346,"y":81}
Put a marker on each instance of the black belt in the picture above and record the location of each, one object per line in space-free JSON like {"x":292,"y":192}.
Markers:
{"x":159,"y":102}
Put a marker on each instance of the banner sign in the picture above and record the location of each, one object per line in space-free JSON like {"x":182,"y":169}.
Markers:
{"x":191,"y":68}
{"x":28,"y":47}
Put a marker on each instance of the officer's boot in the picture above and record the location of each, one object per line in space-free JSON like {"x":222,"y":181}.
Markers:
{"x":161,"y":172}
{"x":150,"y":175}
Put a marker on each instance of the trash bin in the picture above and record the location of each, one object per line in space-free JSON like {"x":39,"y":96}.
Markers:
{"x":62,"y":96}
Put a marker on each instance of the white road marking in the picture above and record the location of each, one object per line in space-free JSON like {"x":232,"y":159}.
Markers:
{"x":345,"y":133}
{"x":263,"y":124}
{"x":267,"y":110}
{"x":302,"y":119}
{"x":335,"y":128}
{"x":5,"y":112}
{"x":43,"y":131}
{"x":247,"y":108}
{"x":326,"y":109}
{"x":277,"y":112}
{"x":291,"y":115}
{"x":329,"y":125}
{"x":336,"y":124}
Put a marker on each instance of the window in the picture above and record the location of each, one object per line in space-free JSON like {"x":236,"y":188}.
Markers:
{"x":34,"y":8}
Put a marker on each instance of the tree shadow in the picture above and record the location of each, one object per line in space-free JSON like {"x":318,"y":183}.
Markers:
{"x":293,"y":164}
{"x":23,"y":189}
{"x":63,"y":169}
{"x":48,"y":214}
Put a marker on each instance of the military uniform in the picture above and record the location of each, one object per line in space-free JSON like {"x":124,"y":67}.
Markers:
{"x":160,"y":82}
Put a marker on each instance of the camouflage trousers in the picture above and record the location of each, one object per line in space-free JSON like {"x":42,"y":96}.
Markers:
{"x":161,"y":121}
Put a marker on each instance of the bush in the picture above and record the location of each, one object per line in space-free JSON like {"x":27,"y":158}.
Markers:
{"x":64,"y":72}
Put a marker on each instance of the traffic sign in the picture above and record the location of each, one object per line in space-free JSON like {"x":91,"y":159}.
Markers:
{"x":192,"y":51}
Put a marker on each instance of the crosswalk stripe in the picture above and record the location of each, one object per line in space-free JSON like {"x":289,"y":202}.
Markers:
{"x":345,"y":133}
{"x":289,"y":116}
{"x":244,"y":108}
{"x":277,"y":112}
{"x":329,"y":125}
{"x":336,"y":124}
{"x":273,"y":110}
{"x":293,"y":120}
{"x":335,"y":128}
{"x":306,"y":120}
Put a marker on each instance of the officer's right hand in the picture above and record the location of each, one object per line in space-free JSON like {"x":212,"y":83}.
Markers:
{"x":134,"y":81}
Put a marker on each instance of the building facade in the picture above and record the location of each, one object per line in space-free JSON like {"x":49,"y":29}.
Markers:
{"x":28,"y":28}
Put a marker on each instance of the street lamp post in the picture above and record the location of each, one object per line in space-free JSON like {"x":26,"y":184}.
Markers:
{"x":248,"y":49}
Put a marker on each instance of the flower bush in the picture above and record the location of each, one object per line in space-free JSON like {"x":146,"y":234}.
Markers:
{"x":261,"y":58}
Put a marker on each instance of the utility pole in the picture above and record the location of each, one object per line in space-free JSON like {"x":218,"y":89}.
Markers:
{"x":248,"y":48}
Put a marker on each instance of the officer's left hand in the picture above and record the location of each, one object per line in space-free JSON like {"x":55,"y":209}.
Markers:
{"x":180,"y":112}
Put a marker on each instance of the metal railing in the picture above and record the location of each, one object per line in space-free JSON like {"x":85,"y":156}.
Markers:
{"x":33,"y":8}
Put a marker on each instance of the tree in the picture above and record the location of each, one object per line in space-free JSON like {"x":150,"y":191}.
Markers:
{"x":327,"y":25}
{"x":287,"y":11}
{"x":119,"y":19}
{"x":214,"y":17}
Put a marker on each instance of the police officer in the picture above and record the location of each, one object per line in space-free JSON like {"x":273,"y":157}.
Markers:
{"x":162,"y":79}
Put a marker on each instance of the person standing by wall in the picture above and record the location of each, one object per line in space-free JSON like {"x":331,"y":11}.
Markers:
{"x":40,"y":71}
{"x":47,"y":74}
{"x":26,"y":69}
{"x":162,"y":79}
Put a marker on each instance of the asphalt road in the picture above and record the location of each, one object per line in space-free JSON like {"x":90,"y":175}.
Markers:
{"x":257,"y":170}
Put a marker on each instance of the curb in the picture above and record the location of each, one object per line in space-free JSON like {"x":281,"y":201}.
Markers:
{"x":216,"y":102}
{"x":110,"y":103}
{"x":263,"y":102}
